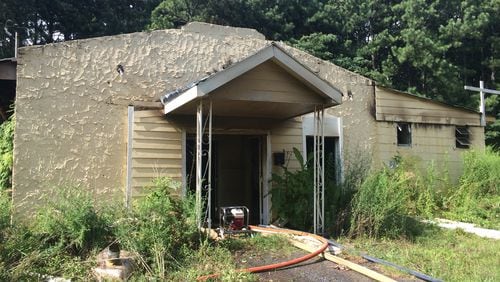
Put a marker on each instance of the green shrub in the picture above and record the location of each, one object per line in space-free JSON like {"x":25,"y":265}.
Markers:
{"x":160,"y":226}
{"x":477,"y":198}
{"x":292,"y":195}
{"x":6,"y":147}
{"x":5,"y":210}
{"x":297,"y":187}
{"x":71,"y":222}
{"x":339,"y":199}
{"x":61,"y":241}
{"x":388,"y":200}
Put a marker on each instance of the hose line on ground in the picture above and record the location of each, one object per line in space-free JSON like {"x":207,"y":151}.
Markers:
{"x":324,"y":245}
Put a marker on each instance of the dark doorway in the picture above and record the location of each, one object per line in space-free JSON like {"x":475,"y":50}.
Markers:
{"x":236,"y":172}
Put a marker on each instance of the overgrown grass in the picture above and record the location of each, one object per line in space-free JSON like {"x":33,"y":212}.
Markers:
{"x":444,"y":254}
{"x":297,"y":187}
{"x":60,"y":241}
{"x":477,"y":198}
{"x":161,"y":228}
{"x":67,"y":234}
{"x":6,"y":157}
{"x":388,"y":199}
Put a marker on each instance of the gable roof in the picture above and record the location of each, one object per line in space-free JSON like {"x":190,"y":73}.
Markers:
{"x":329,"y":94}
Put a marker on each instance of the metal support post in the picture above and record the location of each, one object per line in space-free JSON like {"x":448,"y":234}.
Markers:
{"x":319,"y":171}
{"x":199,"y":159}
{"x":203,"y":173}
{"x":209,"y":168}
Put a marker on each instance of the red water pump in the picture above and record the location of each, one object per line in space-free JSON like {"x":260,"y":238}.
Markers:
{"x":233,"y":220}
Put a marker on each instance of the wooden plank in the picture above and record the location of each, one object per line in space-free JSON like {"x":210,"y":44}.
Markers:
{"x":157,"y":144}
{"x":417,"y":104}
{"x":159,"y":127}
{"x":147,"y":170}
{"x":157,"y":135}
{"x":426,"y":119}
{"x":154,"y":119}
{"x":156,"y":163}
{"x":156,"y":153}
{"x":148,"y":113}
{"x":154,"y":173}
{"x":356,"y":267}
{"x":424,"y":112}
{"x":147,"y":181}
{"x":387,"y":94}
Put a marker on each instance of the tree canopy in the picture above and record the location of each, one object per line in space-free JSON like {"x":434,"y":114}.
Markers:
{"x":426,"y":47}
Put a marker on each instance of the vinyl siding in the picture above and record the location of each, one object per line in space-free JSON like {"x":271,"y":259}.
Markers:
{"x":156,"y":150}
{"x":396,"y":106}
{"x":430,"y":143}
{"x":285,"y":137}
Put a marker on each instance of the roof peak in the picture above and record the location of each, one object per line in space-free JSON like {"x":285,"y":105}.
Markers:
{"x":221,"y":30}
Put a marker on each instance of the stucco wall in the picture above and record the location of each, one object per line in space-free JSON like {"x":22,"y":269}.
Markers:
{"x":72,"y":103}
{"x":71,"y":107}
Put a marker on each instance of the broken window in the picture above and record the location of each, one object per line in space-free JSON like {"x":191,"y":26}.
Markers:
{"x":462,"y":137}
{"x":404,"y":134}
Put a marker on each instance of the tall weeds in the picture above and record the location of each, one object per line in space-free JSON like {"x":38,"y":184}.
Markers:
{"x":160,"y":227}
{"x":297,"y":187}
{"x":389,"y":199}
{"x":477,"y":198}
{"x":57,"y":242}
{"x":6,"y":157}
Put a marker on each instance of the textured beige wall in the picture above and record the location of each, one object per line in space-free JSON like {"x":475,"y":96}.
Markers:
{"x":72,"y":104}
{"x":71,"y":107}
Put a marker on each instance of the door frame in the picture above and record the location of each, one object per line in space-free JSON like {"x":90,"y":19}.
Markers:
{"x":264,"y":167}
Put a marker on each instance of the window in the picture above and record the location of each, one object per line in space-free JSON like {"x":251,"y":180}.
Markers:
{"x":404,"y":134}
{"x":462,"y":137}
{"x":331,"y":155}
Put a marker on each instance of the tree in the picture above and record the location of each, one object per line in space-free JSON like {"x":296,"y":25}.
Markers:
{"x":47,"y":21}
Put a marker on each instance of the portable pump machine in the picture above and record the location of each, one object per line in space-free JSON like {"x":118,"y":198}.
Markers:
{"x":234,"y":220}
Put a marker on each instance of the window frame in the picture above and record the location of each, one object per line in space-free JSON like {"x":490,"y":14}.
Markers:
{"x":462,"y":137}
{"x":399,"y":130}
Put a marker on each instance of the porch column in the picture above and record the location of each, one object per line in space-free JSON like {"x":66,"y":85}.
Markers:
{"x":319,"y":171}
{"x":203,"y":173}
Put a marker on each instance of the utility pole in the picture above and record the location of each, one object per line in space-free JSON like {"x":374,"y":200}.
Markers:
{"x":482,"y":91}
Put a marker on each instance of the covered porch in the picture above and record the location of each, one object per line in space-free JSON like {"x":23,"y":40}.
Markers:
{"x":228,"y":118}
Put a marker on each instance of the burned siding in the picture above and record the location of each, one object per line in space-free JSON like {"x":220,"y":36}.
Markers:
{"x":433,"y":127}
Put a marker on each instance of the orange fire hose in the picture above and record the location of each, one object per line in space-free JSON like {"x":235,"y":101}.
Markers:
{"x":280,"y":264}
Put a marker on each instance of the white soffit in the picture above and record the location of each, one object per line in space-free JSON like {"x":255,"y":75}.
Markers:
{"x":271,"y":52}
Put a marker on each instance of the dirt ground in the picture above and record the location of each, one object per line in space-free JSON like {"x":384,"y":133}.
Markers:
{"x":316,"y":269}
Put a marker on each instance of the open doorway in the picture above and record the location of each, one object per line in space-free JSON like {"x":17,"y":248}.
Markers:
{"x":236,"y":173}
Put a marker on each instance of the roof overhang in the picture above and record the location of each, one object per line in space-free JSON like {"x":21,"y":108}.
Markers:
{"x":322,"y":92}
